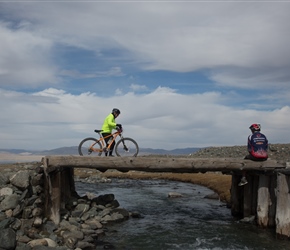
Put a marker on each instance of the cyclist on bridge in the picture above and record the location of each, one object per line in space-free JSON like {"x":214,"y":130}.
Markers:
{"x":108,"y":125}
{"x":257,"y":144}
{"x":257,"y":148}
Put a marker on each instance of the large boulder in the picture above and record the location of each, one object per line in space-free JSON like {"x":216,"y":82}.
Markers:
{"x":7,"y":239}
{"x":9,"y":202}
{"x":21,"y":179}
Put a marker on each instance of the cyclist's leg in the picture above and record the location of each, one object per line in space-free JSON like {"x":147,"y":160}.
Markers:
{"x":112,"y":148}
{"x":107,"y":140}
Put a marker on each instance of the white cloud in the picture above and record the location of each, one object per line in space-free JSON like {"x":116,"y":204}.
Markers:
{"x":100,"y":45}
{"x":175,"y":36}
{"x":24,"y":58}
{"x":118,"y":91}
{"x":161,"y":119}
{"x":115,"y":71}
{"x":137,"y":87}
{"x":253,"y":78}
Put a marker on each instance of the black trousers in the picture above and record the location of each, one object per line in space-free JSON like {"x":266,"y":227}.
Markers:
{"x":107,"y":140}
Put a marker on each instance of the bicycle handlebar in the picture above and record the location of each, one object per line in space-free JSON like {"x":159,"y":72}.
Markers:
{"x":119,"y":129}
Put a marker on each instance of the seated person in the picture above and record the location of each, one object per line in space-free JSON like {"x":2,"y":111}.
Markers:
{"x":257,"y":144}
{"x":257,"y":148}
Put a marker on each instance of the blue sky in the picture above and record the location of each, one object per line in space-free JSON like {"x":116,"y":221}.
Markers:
{"x":183,"y":73}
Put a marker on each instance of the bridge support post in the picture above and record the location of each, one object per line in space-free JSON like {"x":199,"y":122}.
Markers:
{"x":267,"y":201}
{"x":283,"y":205}
{"x":60,"y":188}
{"x":273,"y":197}
{"x":236,"y":196}
{"x":264,"y":201}
{"x":257,"y":198}
{"x":249,"y":197}
{"x":244,"y":198}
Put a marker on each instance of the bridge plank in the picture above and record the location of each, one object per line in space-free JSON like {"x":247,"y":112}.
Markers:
{"x":162,"y":164}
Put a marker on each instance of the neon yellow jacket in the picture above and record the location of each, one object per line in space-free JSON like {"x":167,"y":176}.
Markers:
{"x":109,"y":124}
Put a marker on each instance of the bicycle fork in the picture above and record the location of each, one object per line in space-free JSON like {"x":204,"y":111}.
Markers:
{"x":124,"y":145}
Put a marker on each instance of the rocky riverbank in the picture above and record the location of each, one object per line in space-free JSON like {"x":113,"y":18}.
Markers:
{"x":23,"y":224}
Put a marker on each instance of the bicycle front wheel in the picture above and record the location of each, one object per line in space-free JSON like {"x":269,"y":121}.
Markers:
{"x":126,"y":147}
{"x":90,"y":147}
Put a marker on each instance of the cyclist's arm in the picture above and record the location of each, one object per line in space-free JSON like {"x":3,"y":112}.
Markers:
{"x":111,"y":122}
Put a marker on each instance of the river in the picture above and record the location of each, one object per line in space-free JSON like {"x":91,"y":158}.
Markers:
{"x":185,"y":223}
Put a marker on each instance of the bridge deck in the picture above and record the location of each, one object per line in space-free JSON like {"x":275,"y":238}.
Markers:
{"x":165,"y":164}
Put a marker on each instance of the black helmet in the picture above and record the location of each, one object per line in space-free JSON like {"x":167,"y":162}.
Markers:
{"x":117,"y":111}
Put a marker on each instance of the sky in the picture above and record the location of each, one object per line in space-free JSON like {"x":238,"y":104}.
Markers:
{"x":183,"y":73}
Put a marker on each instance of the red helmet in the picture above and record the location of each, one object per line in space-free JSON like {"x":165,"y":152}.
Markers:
{"x":255,"y":127}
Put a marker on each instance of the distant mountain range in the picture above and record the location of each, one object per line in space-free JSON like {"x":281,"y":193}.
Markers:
{"x":74,"y":151}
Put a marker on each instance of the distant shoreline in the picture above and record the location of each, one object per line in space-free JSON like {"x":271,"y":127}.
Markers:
{"x":18,"y":158}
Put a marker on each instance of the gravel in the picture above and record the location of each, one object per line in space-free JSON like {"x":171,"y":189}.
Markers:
{"x":279,"y":152}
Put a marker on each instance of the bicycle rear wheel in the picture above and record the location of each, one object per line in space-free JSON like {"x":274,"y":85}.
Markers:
{"x":126,"y":147}
{"x":90,"y":147}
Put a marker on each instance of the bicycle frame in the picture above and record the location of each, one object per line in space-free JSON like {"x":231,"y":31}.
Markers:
{"x":103,"y":143}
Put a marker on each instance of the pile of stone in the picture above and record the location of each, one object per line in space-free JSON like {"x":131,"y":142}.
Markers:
{"x":23,"y":224}
{"x":275,"y":151}
{"x":221,"y":152}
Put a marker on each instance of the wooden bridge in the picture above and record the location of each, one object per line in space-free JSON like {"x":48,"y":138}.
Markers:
{"x":266,"y":196}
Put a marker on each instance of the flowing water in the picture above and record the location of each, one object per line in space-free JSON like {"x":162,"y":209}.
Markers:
{"x":187,"y":222}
